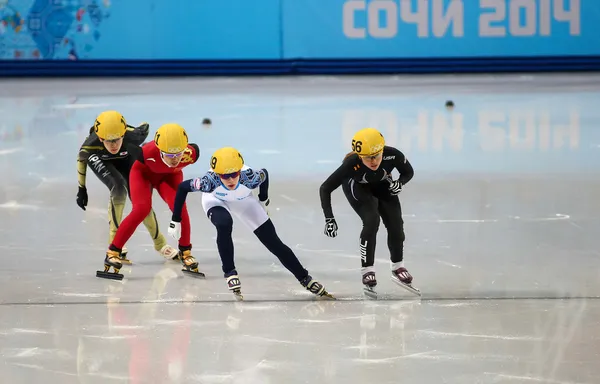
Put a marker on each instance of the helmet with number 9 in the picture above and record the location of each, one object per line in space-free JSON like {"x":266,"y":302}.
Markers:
{"x":368,"y":142}
{"x":171,"y":138}
{"x":110,"y":125}
{"x":226,"y":160}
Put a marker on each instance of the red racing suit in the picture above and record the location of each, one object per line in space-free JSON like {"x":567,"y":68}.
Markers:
{"x":148,"y":172}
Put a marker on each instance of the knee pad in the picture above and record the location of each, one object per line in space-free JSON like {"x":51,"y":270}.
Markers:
{"x":221,"y":218}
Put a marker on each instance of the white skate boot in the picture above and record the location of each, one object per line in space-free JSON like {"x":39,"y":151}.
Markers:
{"x":404,"y":279}
{"x":234,"y":284}
{"x":370,"y":282}
{"x":169,"y":252}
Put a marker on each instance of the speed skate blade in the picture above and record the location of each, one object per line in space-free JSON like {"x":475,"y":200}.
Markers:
{"x":408,"y":287}
{"x":370,"y":293}
{"x":197,"y":275}
{"x":238,"y":295}
{"x":109,"y":275}
{"x":126,"y":262}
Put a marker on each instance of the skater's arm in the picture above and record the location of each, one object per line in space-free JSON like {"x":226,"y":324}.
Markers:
{"x":81,"y":170}
{"x":137,"y":135}
{"x":206,"y":183}
{"x":90,"y":146}
{"x":330,"y":185}
{"x":256,"y":179}
{"x":404,"y":168}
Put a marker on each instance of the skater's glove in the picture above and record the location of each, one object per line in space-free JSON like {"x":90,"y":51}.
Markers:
{"x":82,"y":198}
{"x":395,"y":187}
{"x":331,"y":227}
{"x":175,"y":230}
{"x":265,"y":204}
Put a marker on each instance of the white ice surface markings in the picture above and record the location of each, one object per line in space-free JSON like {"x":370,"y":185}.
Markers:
{"x":501,"y":377}
{"x":10,"y":150}
{"x":79,"y":106}
{"x":499,"y":337}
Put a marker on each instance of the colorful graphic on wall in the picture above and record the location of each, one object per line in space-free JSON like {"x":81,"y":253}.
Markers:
{"x":50,"y":29}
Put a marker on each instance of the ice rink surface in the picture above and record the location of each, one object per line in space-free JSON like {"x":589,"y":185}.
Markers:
{"x":501,"y":219}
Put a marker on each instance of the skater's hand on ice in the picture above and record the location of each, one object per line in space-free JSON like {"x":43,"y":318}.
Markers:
{"x":265,"y":204}
{"x":175,"y":230}
{"x":331,"y":227}
{"x":82,"y":198}
{"x":395,"y":186}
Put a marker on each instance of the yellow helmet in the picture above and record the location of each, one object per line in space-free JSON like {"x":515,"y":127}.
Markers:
{"x":110,"y":125}
{"x":226,"y":160}
{"x":171,"y":138}
{"x":368,"y":142}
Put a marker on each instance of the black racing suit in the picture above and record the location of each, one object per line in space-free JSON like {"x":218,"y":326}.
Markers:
{"x":368,"y":193}
{"x":113,"y":171}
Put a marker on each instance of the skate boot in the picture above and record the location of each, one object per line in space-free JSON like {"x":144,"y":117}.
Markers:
{"x":315,"y":287}
{"x":124,"y":258}
{"x":112,"y":260}
{"x":370,"y":282}
{"x":190,"y":265}
{"x":234,"y":284}
{"x":401,"y":277}
{"x":169,"y":252}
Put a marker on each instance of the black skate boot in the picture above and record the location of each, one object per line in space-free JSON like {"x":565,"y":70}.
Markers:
{"x":370,"y":282}
{"x":112,"y":260}
{"x":401,"y":277}
{"x":315,"y":287}
{"x":234,"y":284}
{"x":190,"y":265}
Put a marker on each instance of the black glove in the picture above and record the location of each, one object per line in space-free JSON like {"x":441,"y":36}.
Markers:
{"x":82,"y":197}
{"x":331,"y":227}
{"x":144,"y":128}
{"x":395,"y":187}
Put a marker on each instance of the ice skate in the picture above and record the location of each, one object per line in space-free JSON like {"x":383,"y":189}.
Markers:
{"x":124,"y":259}
{"x":370,"y":282}
{"x":315,"y":287}
{"x":169,"y":252}
{"x":190,"y":264}
{"x":401,"y":277}
{"x":234,"y":284}
{"x":112,"y":260}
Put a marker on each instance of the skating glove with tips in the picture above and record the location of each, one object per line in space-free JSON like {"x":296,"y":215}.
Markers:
{"x":175,"y":230}
{"x":331,"y":227}
{"x":82,"y":198}
{"x":395,"y":187}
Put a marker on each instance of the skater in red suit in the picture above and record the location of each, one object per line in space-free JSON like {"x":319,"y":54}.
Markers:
{"x":158,"y":165}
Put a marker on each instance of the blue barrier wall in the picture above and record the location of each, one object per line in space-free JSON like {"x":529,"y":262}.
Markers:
{"x":296,"y":36}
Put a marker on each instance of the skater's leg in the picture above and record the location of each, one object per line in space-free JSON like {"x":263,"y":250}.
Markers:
{"x":141,"y":201}
{"x":391,"y":215}
{"x":167,"y":190}
{"x":223,"y":222}
{"x":159,"y":240}
{"x":110,"y":174}
{"x":267,"y":235}
{"x":365,"y":205}
{"x":220,"y":217}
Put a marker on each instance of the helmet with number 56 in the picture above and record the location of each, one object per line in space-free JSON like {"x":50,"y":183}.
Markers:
{"x":226,"y":160}
{"x":368,"y":142}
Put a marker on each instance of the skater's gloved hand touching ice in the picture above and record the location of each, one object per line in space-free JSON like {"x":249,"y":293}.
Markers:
{"x":82,"y":197}
{"x":331,"y":227}
{"x":395,"y":186}
{"x":175,"y":230}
